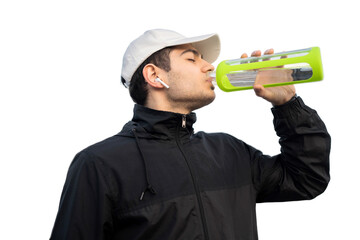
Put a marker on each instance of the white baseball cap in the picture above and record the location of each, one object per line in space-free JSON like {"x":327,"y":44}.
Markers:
{"x":154,"y":40}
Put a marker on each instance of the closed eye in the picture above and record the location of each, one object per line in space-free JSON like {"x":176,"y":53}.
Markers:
{"x":193,"y":51}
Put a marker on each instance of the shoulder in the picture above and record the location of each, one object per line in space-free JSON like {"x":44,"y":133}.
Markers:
{"x":98,"y":160}
{"x":106,"y":151}
{"x":109,"y":144}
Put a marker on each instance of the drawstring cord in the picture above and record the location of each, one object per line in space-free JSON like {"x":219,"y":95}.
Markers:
{"x":149,"y":187}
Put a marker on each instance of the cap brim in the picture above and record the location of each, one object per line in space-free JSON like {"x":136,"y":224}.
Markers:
{"x":208,"y":45}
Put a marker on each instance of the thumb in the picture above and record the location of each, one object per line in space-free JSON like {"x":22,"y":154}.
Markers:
{"x":260,"y":91}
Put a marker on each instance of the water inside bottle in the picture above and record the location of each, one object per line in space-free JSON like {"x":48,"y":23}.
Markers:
{"x":246,"y":78}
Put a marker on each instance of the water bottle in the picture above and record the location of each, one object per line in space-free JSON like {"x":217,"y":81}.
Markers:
{"x":303,"y":66}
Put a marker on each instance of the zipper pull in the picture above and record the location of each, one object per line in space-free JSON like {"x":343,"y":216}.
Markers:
{"x":183,"y":123}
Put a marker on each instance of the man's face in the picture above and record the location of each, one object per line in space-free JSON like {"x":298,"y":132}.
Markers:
{"x":189,"y":81}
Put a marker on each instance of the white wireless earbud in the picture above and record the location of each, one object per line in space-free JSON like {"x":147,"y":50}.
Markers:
{"x":162,"y":83}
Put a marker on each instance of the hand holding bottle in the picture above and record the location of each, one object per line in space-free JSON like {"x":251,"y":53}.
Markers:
{"x":276,"y":95}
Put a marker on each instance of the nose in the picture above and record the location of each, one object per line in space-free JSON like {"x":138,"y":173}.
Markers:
{"x":207,"y":67}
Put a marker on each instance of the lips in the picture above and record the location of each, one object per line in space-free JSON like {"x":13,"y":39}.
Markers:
{"x":210,"y":79}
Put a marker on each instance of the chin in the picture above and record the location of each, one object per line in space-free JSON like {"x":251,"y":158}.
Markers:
{"x":206,"y":100}
{"x":212,"y":99}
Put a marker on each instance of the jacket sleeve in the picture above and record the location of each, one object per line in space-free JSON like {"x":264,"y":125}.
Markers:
{"x":301,"y":171}
{"x":85,"y":204}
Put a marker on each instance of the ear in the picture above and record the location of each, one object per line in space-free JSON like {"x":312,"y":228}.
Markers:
{"x":150,"y":73}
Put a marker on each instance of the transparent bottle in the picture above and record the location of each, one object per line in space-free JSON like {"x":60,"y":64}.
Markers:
{"x":298,"y":66}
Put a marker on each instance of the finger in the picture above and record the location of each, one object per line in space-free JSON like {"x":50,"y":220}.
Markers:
{"x":256,"y":53}
{"x":269,"y":51}
{"x":282,"y":57}
{"x":244,"y":55}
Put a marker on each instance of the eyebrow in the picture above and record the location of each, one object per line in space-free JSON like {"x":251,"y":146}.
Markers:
{"x":196,"y":53}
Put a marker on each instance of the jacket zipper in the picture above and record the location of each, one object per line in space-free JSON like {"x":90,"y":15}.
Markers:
{"x":196,"y":186}
{"x":183,"y":122}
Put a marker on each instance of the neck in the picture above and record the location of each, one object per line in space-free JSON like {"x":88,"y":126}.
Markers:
{"x":164,"y":106}
{"x":158,"y":101}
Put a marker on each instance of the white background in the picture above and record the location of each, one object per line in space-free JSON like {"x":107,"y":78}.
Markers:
{"x":60,"y":64}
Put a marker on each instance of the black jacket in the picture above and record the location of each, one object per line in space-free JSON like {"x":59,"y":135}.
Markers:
{"x":156,"y":179}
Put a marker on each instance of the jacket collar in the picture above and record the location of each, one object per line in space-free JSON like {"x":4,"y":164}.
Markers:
{"x":151,"y":123}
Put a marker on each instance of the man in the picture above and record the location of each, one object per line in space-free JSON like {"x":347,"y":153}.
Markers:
{"x":157,"y":179}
